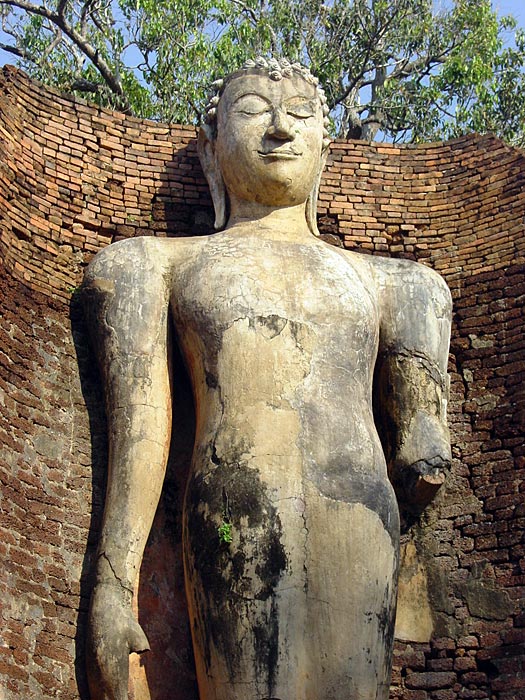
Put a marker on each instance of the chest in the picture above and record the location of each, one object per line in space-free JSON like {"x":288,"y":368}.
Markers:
{"x":309,"y":285}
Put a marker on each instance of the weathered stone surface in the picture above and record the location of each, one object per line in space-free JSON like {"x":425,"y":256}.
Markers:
{"x":283,"y":337}
{"x":460,"y":206}
{"x":414,"y":617}
{"x":430,"y":680}
{"x":486,"y":601}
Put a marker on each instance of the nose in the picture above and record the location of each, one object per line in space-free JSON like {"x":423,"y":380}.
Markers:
{"x":281,"y":126}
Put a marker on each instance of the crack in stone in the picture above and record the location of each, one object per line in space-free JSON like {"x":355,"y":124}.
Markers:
{"x":305,"y":547}
{"x":117,"y":578}
{"x":403,"y":354}
{"x":320,"y":600}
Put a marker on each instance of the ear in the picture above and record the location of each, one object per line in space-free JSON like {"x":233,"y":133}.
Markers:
{"x":212,"y":171}
{"x":311,"y":202}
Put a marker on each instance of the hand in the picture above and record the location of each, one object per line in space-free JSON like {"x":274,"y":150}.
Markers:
{"x":113,"y":633}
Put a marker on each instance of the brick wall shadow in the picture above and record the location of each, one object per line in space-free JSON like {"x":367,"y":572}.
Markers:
{"x":92,"y":392}
{"x":190,"y":211}
{"x":168,"y":669}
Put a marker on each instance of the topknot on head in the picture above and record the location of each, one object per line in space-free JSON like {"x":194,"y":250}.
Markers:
{"x":277,"y":70}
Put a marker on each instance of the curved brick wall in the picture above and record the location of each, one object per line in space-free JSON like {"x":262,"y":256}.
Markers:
{"x":74,"y":178}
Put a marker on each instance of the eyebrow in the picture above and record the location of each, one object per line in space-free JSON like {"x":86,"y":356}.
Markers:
{"x":295,"y":99}
{"x":303,"y":98}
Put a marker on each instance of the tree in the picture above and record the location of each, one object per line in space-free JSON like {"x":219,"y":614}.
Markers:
{"x":398,"y":69}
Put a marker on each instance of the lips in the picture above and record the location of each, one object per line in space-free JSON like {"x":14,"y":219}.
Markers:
{"x":280,"y":154}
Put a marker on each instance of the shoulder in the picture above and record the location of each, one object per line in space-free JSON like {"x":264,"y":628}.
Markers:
{"x":132,"y":253}
{"x":409,"y":278}
{"x":141,"y":258}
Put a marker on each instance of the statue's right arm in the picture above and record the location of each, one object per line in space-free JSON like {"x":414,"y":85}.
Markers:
{"x":411,"y":381}
{"x":126,"y":297}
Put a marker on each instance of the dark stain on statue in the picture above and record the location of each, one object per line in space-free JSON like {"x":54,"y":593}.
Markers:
{"x":386,"y":623}
{"x":271,"y":325}
{"x":235,"y":583}
{"x":267,"y":648}
{"x":211,"y":380}
{"x":341,"y":482}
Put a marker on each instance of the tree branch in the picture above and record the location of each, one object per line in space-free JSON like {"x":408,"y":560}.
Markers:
{"x":341,"y":97}
{"x":16,"y":52}
{"x":52,"y":46}
{"x":85,"y":46}
{"x":426,"y":63}
{"x":30,"y":7}
{"x":62,"y":8}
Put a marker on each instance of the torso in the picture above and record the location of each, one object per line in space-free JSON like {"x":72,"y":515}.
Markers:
{"x":280,"y":339}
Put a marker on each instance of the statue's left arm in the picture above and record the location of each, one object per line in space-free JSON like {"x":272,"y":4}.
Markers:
{"x":411,"y":383}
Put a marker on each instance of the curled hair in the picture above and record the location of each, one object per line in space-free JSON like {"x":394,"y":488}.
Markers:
{"x":277,"y":70}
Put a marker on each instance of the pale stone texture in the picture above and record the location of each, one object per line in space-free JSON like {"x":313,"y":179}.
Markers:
{"x":414,"y":617}
{"x":308,"y":364}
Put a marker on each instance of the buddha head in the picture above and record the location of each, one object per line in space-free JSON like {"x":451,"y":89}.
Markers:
{"x":265,"y":139}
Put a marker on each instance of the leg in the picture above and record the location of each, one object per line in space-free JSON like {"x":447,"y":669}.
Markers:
{"x":246,"y":598}
{"x":301,"y":604}
{"x":352,"y":586}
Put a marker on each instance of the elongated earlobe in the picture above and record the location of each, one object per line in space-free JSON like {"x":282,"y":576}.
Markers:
{"x":212,"y":171}
{"x":311,"y":202}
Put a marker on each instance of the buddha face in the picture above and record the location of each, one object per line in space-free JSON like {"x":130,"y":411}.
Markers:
{"x":269,"y":138}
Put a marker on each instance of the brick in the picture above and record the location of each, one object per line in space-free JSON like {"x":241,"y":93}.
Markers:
{"x":464,"y":663}
{"x":430,"y":680}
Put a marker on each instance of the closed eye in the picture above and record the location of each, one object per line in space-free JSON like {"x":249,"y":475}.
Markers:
{"x":301,"y":110}
{"x":251,"y":104}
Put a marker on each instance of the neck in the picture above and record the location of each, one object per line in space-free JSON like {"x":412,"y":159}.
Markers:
{"x":282,"y":223}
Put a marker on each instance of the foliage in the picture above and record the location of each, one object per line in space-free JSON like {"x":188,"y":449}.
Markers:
{"x":401,"y":69}
{"x":225,"y":532}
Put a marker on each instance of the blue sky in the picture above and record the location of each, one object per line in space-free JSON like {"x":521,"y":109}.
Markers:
{"x":512,"y":7}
